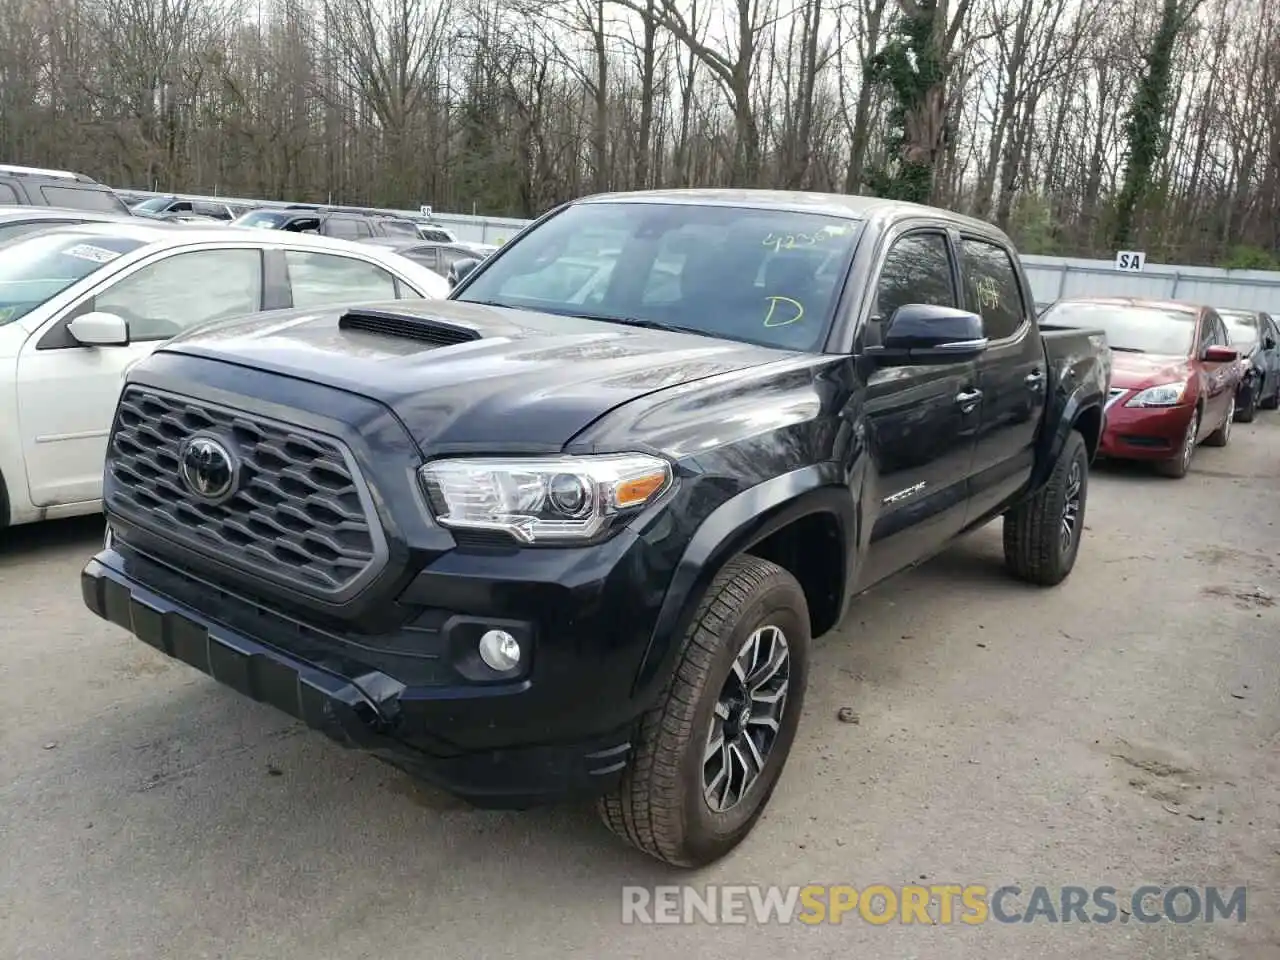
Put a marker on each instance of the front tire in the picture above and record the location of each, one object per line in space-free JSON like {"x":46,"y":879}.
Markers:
{"x":1177,"y":468}
{"x":1271,"y":402}
{"x":1246,"y":413}
{"x":1220,"y":436}
{"x":711,"y":750}
{"x":1042,"y":535}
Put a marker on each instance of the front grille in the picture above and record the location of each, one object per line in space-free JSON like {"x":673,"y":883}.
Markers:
{"x":298,"y":517}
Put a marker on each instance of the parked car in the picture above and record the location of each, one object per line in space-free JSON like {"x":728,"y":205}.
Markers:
{"x":1255,"y":335}
{"x":173,"y":207}
{"x":430,"y":230}
{"x":19,"y":221}
{"x":479,"y":250}
{"x":532,"y":544}
{"x":37,"y":187}
{"x":1174,"y":377}
{"x":345,"y":226}
{"x":79,"y":304}
{"x":438,"y":257}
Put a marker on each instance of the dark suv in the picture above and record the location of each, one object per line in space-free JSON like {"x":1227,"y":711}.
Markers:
{"x":34,"y":187}
{"x":328,"y":223}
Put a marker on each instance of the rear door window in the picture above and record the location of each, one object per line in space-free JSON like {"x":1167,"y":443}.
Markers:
{"x":323,"y":278}
{"x":991,"y":288}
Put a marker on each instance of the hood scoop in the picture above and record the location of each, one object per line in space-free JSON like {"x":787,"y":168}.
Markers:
{"x":439,"y":333}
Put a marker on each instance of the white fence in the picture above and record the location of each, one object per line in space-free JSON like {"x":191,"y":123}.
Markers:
{"x":1053,"y":278}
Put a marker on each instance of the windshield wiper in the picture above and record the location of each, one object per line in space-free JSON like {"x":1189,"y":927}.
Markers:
{"x":1126,"y":349}
{"x":645,"y":324}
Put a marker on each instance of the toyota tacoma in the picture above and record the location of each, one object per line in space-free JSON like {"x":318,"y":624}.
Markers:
{"x":570,"y":531}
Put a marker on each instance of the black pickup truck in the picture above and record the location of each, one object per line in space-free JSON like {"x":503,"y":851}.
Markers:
{"x":571,"y":530}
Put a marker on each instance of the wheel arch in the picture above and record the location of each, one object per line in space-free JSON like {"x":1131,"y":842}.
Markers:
{"x":771,"y":520}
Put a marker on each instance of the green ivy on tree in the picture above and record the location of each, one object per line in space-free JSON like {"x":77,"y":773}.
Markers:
{"x":908,"y":66}
{"x":1146,"y":127}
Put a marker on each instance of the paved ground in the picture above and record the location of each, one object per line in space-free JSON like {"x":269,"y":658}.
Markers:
{"x":1123,"y":729}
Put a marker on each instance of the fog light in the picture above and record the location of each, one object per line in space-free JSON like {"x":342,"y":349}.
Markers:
{"x":499,"y":650}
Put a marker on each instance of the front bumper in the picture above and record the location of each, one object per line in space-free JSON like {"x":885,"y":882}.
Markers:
{"x":1144,"y":433}
{"x":364,"y":708}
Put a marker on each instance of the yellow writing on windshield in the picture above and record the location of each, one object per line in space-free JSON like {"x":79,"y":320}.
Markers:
{"x":789,"y":241}
{"x":791,"y":311}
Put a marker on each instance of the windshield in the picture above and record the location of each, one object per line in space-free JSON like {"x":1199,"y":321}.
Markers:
{"x":1130,"y":329}
{"x":1242,"y":328}
{"x":262,"y":218}
{"x":758,"y":275}
{"x":154,"y":205}
{"x":34,"y":269}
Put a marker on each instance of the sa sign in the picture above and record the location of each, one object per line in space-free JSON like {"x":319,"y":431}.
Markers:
{"x":1131,"y":260}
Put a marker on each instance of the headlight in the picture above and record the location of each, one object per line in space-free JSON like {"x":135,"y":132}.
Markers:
{"x":543,"y":499}
{"x":1165,"y":395}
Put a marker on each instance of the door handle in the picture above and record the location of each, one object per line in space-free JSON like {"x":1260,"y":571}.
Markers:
{"x":1035,"y":380}
{"x":968,"y":400}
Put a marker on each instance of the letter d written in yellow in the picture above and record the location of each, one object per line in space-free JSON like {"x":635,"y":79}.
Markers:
{"x":813,"y":906}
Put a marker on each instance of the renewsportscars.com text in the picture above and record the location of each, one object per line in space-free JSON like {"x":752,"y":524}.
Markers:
{"x":934,"y":905}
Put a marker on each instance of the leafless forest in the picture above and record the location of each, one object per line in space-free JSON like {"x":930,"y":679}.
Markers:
{"x":1079,"y":125}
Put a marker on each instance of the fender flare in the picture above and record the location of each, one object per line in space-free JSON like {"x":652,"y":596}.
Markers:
{"x":731,"y":528}
{"x":1080,"y":401}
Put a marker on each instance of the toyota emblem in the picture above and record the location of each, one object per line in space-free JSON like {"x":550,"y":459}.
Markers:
{"x":207,"y":468}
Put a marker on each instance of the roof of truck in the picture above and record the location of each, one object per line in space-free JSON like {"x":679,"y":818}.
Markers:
{"x":830,"y":204}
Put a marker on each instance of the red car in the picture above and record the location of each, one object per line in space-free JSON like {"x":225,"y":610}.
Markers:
{"x":1173,"y":377}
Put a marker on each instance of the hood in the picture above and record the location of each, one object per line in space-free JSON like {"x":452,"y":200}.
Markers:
{"x":529,"y":383}
{"x":1136,"y":371}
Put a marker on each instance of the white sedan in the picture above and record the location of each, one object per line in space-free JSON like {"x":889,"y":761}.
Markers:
{"x":80,"y":304}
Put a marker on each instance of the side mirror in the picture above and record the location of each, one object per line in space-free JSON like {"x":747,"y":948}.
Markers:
{"x":1269,"y":343}
{"x":925,"y":333}
{"x":460,"y":269}
{"x":1218,"y":354}
{"x":99,"y":329}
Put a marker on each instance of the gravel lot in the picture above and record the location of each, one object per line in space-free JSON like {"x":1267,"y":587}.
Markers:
{"x":1122,"y":729}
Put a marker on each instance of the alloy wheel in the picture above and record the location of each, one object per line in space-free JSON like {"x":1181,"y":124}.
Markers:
{"x":747,"y":718}
{"x":1189,"y":441}
{"x":1070,"y":508}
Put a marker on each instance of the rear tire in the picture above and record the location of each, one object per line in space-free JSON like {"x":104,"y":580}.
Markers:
{"x":664,"y":803}
{"x":1220,"y":436}
{"x":1042,"y":535}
